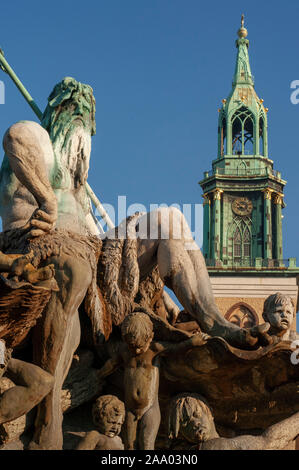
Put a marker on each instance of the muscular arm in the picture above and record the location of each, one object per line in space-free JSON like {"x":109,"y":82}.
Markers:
{"x":30,"y":154}
{"x":276,"y":437}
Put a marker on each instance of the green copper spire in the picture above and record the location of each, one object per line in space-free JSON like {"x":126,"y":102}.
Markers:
{"x":243,"y":195}
{"x":242,"y":72}
{"x":243,"y":117}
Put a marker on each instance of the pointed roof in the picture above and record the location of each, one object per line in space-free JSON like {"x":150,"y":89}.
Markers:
{"x":243,"y":93}
{"x":242,"y":71}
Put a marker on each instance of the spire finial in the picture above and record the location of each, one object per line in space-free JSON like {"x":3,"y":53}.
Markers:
{"x":242,"y":33}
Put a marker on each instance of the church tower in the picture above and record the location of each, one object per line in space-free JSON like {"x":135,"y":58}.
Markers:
{"x":243,"y":201}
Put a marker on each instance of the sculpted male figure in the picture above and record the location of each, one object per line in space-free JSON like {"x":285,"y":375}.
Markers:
{"x":41,"y":187}
{"x":43,"y":173}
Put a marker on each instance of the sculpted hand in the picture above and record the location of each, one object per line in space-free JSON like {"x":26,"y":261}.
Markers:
{"x":258,"y":336}
{"x":199,"y":339}
{"x":42,"y":221}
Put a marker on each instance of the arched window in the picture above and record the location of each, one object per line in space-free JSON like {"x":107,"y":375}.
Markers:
{"x":243,"y":315}
{"x":261,"y":135}
{"x":246,"y":243}
{"x":223,"y":137}
{"x":241,"y":242}
{"x":237,"y":244}
{"x":242,"y":132}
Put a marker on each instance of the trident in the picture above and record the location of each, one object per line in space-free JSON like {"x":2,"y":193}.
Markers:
{"x":4,"y":65}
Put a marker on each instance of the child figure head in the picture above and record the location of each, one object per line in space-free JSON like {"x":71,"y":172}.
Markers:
{"x":108,"y":414}
{"x":137,"y":332}
{"x":190,"y":416}
{"x":279,"y":311}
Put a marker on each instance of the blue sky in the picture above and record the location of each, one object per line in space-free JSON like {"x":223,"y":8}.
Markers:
{"x":159,"y":69}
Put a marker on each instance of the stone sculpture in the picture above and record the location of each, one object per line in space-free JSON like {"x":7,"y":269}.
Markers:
{"x":32,"y":383}
{"x":279,"y":311}
{"x":46,"y":211}
{"x":42,"y":187}
{"x":139,"y":356}
{"x":191,"y":416}
{"x":108,"y":416}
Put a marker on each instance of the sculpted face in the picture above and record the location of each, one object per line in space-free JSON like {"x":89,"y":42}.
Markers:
{"x":110,"y":424}
{"x":198,"y":425}
{"x":70,"y":121}
{"x":281,"y":317}
{"x":108,"y":414}
{"x":75,"y":148}
{"x":140,"y":348}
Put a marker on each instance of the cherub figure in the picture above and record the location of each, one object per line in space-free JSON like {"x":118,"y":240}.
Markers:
{"x":108,"y":414}
{"x":279,"y":311}
{"x":191,"y":418}
{"x":139,"y":355}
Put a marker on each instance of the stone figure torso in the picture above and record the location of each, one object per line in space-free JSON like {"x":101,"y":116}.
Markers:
{"x":17,"y":203}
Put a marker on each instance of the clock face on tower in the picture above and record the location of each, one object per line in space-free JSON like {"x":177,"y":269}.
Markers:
{"x":242,"y":206}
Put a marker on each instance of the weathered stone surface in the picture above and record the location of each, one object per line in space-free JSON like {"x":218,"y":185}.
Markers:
{"x":246,"y":389}
{"x":13,"y":429}
{"x":82,"y":385}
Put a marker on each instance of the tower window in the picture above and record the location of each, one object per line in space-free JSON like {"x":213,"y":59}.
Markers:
{"x":242,"y":132}
{"x":223,"y":137}
{"x":237,"y":244}
{"x":261,"y":135}
{"x":241,"y":241}
{"x":247,"y":243}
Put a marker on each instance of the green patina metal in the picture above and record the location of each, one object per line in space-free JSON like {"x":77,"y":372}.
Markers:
{"x":243,"y":194}
{"x":69,"y":101}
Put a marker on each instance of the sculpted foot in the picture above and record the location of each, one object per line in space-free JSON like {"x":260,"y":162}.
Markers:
{"x":21,"y":263}
{"x":42,"y":274}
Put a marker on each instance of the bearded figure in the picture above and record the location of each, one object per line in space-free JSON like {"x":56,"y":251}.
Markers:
{"x":45,"y":210}
{"x":44,"y":170}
